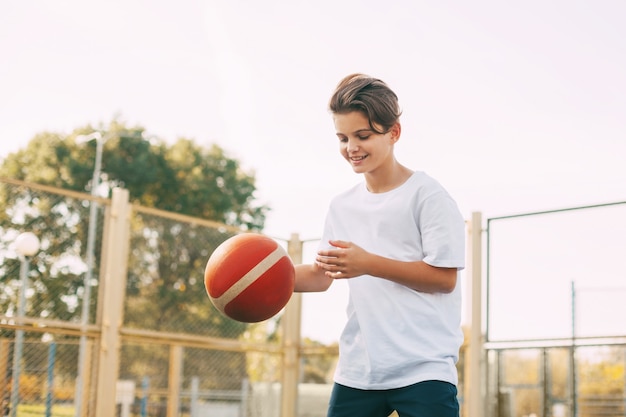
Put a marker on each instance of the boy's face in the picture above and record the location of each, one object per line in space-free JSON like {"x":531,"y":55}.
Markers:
{"x":363,"y":148}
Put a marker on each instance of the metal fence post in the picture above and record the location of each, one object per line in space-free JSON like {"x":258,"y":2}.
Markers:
{"x":113,"y":285}
{"x":52,"y":354}
{"x":145,"y":385}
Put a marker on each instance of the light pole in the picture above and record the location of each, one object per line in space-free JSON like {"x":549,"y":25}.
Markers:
{"x":91,"y":243}
{"x":26,"y":245}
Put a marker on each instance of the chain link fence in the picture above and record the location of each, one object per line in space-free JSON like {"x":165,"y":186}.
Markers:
{"x":177,"y":355}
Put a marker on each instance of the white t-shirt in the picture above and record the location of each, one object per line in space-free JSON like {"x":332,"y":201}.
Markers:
{"x":396,"y":336}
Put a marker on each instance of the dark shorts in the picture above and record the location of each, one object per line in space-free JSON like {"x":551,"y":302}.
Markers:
{"x":424,"y":399}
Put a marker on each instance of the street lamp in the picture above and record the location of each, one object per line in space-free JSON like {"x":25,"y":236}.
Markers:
{"x":26,"y":245}
{"x":91,"y":243}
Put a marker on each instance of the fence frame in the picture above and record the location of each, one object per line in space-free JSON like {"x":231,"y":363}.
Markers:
{"x":493,"y":402}
{"x":108,"y":332}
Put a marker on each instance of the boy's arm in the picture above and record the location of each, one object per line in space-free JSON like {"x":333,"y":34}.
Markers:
{"x":347,"y":260}
{"x":417,"y":275}
{"x":311,"y":278}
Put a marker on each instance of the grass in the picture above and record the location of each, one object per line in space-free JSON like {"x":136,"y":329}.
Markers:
{"x":39,"y":410}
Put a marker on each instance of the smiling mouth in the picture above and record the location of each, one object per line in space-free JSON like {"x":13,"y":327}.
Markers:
{"x":357,"y":158}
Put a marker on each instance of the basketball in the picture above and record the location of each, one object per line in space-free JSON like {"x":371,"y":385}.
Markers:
{"x":249,"y":277}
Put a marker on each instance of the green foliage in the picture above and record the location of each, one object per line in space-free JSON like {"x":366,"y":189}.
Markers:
{"x":184,"y":177}
{"x":167,"y":257}
{"x":602,"y":375}
{"x":599,"y":379}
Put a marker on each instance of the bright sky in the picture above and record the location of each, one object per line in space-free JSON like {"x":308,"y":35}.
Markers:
{"x":512,"y":106}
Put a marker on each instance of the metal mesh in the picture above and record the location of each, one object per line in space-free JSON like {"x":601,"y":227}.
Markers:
{"x":178,"y":355}
{"x":542,"y":382}
{"x":46,"y":374}
{"x":165,"y":288}
{"x":57,"y":272}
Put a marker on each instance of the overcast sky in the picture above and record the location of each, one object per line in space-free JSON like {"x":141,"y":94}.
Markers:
{"x":512,"y":106}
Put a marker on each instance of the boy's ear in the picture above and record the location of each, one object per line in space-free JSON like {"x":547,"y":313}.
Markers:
{"x":395,"y":131}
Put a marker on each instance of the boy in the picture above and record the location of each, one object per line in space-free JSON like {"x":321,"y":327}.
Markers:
{"x":399,"y":239}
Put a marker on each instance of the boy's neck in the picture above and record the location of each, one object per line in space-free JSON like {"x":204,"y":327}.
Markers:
{"x":381,"y":182}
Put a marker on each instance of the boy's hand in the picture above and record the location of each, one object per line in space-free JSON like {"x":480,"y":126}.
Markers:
{"x":343,"y":260}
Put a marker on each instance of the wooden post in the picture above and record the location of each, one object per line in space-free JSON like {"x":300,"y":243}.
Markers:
{"x":174,"y":376}
{"x":114,"y":271}
{"x":474,"y":380}
{"x":291,"y":321}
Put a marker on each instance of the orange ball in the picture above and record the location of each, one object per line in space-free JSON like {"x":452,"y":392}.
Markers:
{"x":249,"y":277}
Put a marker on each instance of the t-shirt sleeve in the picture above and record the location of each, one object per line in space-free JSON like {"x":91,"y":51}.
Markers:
{"x":442,"y":229}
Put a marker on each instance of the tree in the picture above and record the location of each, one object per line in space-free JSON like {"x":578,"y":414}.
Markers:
{"x":601,"y":381}
{"x":166,"y":263}
{"x":319,"y":368}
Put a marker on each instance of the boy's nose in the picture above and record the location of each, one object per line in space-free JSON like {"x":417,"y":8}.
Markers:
{"x":353,"y":145}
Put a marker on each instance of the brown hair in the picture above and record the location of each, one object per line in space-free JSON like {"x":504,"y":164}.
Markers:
{"x":370,"y":96}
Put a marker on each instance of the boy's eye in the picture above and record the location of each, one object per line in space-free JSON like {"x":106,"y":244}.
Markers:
{"x":344,"y":139}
